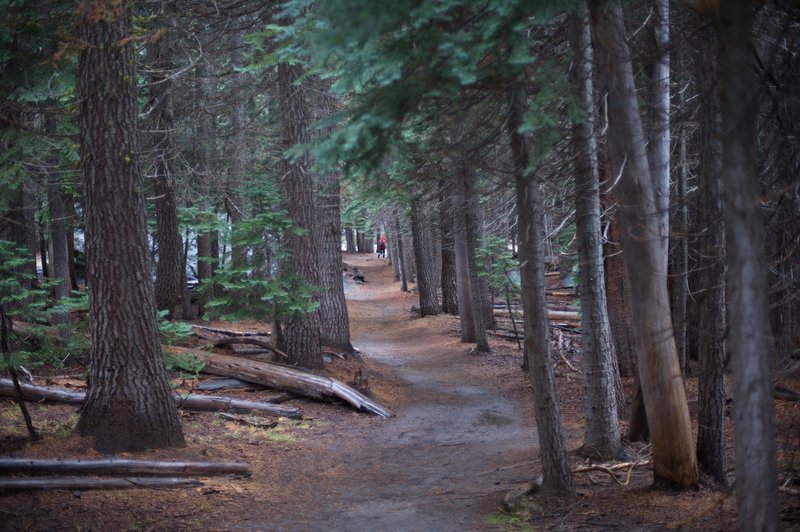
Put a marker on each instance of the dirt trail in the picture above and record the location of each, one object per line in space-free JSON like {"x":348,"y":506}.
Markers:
{"x":460,"y":439}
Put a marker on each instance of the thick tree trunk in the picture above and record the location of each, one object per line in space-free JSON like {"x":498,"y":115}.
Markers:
{"x":424,"y":254}
{"x":128,"y":403}
{"x":710,"y":291}
{"x":301,"y":335}
{"x":170,"y":272}
{"x":674,"y":461}
{"x":557,"y":477}
{"x":448,"y":275}
{"x":350,"y":240}
{"x":59,"y":259}
{"x":749,"y":340}
{"x":601,"y":430}
{"x":466,"y":303}
{"x":335,"y":321}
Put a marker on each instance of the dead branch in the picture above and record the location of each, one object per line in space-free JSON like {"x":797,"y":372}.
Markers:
{"x":231,"y":333}
{"x":610,"y":468}
{"x":116,"y":466}
{"x":281,"y":378}
{"x":248,"y":421}
{"x":193,"y":402}
{"x":250,"y":341}
{"x":97,"y":483}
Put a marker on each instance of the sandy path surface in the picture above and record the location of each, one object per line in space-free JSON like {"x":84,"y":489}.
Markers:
{"x":462,"y":433}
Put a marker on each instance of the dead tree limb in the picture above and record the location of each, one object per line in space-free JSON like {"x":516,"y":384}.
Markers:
{"x":97,"y":483}
{"x":230,"y":333}
{"x":116,"y":466}
{"x":610,"y":469}
{"x":281,"y":378}
{"x":250,"y":341}
{"x":198,"y":403}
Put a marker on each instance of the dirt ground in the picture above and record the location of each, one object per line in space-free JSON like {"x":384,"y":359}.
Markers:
{"x":462,"y":437}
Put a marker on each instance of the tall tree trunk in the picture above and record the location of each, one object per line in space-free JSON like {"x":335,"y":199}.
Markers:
{"x":401,"y":257}
{"x":301,"y":333}
{"x":674,"y":461}
{"x":335,"y":321}
{"x":749,"y":333}
{"x":557,"y":472}
{"x":128,"y":404}
{"x":170,"y":272}
{"x":59,"y":260}
{"x":234,"y":201}
{"x":205,"y":155}
{"x":710,"y":291}
{"x":466,"y":302}
{"x":424,"y":254}
{"x":350,"y":240}
{"x":601,"y":430}
{"x":448,"y":276}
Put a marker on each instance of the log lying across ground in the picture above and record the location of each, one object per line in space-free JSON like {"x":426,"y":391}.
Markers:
{"x":117,"y":466}
{"x":58,"y":483}
{"x":281,"y":378}
{"x":197,"y":403}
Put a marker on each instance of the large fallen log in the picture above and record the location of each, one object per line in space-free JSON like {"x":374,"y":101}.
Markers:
{"x":251,"y":341}
{"x":59,"y":483}
{"x":553,"y":315}
{"x":230,"y":333}
{"x":193,"y":402}
{"x":281,"y":378}
{"x":116,"y":466}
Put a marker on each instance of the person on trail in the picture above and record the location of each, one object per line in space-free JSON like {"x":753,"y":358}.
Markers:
{"x":382,"y":247}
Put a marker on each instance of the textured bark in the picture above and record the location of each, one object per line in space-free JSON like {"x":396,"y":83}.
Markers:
{"x":557,"y":473}
{"x":234,"y":202}
{"x":749,"y":333}
{"x":204,"y":174}
{"x":658,"y":141}
{"x":401,"y":256}
{"x":448,"y":275}
{"x":335,"y":321}
{"x":128,"y":403}
{"x":674,"y":461}
{"x":424,"y":254}
{"x":466,"y":305}
{"x":601,"y":429}
{"x":710,"y":290}
{"x":170,"y":272}
{"x":350,"y":240}
{"x":618,"y":297}
{"x":301,"y":334}
{"x":59,"y":258}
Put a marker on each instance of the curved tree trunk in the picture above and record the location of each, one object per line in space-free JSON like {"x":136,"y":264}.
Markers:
{"x":601,"y":430}
{"x":749,"y":339}
{"x":674,"y":461}
{"x":557,"y":477}
{"x":128,"y":403}
{"x":301,"y":334}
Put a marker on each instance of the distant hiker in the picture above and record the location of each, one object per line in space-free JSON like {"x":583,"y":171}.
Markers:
{"x":382,"y":247}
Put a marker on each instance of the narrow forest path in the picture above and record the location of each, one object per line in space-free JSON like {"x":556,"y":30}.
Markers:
{"x":462,"y":435}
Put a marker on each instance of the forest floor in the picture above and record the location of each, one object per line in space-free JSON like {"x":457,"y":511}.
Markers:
{"x":462,"y":438}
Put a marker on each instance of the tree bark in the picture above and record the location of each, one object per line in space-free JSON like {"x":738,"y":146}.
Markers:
{"x":335,"y":321}
{"x":710,"y":291}
{"x":601,"y":429}
{"x":301,"y":335}
{"x":170,"y":272}
{"x":118,"y":466}
{"x":448,"y":275}
{"x":401,"y":257}
{"x":674,"y":461}
{"x":128,"y":406}
{"x":749,"y":332}
{"x":557,"y":471}
{"x":424,"y":254}
{"x":466,"y":305}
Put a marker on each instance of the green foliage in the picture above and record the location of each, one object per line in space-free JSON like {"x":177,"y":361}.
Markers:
{"x":21,"y":299}
{"x":497,"y":264}
{"x":171,"y":331}
{"x":184,"y":362}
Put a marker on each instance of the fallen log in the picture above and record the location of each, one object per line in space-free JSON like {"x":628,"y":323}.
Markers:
{"x":96,"y":483}
{"x":116,"y":466}
{"x":193,"y":402}
{"x":281,"y":378}
{"x":230,"y":333}
{"x":227,"y":384}
{"x":553,"y":315}
{"x":250,"y":341}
